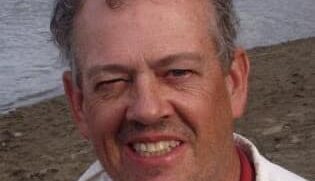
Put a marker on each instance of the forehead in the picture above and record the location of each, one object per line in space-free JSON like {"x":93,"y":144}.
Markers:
{"x":143,"y":28}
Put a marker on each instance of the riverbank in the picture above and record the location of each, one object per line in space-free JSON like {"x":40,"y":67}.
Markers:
{"x":39,"y":142}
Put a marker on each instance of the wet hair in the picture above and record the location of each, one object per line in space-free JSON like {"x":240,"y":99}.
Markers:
{"x":65,"y":11}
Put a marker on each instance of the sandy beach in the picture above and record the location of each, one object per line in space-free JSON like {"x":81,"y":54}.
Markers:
{"x":39,"y":142}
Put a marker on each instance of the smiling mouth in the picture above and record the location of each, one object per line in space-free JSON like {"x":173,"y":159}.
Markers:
{"x":153,"y":149}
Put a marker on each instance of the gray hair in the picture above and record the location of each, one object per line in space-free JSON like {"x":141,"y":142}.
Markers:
{"x":65,"y":11}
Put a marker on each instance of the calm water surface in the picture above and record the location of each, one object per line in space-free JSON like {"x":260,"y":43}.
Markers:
{"x":30,"y":70}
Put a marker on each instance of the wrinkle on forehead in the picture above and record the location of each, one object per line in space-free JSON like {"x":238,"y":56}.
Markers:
{"x":196,"y":10}
{"x":136,"y":22}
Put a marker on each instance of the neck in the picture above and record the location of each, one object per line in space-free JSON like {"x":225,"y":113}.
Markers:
{"x":231,"y":169}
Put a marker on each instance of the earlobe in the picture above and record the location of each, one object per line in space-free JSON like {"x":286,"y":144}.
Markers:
{"x":75,"y":100}
{"x":237,"y":82}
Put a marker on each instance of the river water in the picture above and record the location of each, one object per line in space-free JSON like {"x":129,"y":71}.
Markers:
{"x":30,"y":69}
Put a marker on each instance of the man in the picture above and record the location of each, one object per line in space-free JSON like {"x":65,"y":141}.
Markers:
{"x":156,"y":86}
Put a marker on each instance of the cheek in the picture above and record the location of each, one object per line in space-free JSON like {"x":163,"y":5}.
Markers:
{"x":208,"y":112}
{"x":207,"y":106}
{"x":104,"y":117}
{"x":104,"y":122}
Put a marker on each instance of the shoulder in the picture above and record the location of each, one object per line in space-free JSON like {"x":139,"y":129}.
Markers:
{"x":95,"y":173}
{"x":265,"y":170}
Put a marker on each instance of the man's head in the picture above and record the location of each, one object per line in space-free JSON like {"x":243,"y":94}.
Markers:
{"x":153,"y":97}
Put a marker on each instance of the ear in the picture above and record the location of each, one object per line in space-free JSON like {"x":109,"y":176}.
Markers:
{"x":75,"y":100}
{"x":237,"y":82}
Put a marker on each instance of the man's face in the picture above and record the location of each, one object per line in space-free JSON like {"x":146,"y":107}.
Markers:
{"x":154,"y":101}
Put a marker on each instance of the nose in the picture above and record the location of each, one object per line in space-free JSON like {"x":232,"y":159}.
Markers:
{"x":149,"y":104}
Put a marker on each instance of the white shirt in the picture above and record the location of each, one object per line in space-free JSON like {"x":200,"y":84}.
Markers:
{"x":264,"y":169}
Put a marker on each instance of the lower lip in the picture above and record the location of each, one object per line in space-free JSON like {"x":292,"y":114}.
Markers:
{"x":167,"y":159}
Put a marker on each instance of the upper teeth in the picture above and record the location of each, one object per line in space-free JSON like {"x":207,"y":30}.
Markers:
{"x":156,"y":148}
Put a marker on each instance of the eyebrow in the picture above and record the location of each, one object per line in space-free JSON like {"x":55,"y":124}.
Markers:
{"x":162,"y":62}
{"x":170,"y":59}
{"x":111,"y":68}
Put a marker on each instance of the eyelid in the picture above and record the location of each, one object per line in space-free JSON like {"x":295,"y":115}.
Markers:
{"x":110,"y":81}
{"x":113,"y":80}
{"x":183,"y":71}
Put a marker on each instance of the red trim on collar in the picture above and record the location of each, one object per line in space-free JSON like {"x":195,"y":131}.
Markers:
{"x":247,"y":168}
